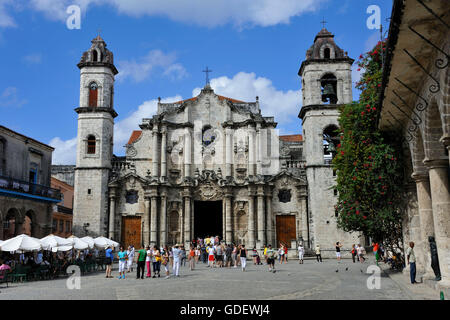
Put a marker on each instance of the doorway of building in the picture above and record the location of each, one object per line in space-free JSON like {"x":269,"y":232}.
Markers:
{"x":286,"y":230}
{"x":131,"y":231}
{"x":207,"y":219}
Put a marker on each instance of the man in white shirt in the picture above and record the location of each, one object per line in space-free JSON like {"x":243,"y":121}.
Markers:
{"x":176,"y":253}
{"x":301,"y":252}
{"x":130,"y":254}
{"x":411,"y":260}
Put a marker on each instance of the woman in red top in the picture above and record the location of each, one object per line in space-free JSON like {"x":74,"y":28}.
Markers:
{"x":285,"y":252}
{"x":191,"y":258}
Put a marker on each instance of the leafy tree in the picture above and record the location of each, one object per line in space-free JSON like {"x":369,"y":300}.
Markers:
{"x":369,"y":163}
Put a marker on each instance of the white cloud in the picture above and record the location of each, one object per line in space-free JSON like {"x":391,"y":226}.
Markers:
{"x":283,"y":105}
{"x":33,"y":58}
{"x":155,"y":61}
{"x":123,"y":128}
{"x":10,"y":98}
{"x":210,"y":13}
{"x":6,"y":20}
{"x":65,"y":151}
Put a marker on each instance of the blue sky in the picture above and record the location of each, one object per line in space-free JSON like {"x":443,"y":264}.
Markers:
{"x":254,"y":47}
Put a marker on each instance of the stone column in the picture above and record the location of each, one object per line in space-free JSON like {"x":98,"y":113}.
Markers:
{"x":187,"y":216}
{"x":258,"y":149}
{"x":251,"y":219}
{"x":270,"y":226}
{"x":228,"y":152}
{"x":146,"y":229}
{"x":163,"y":219}
{"x":164,"y":154}
{"x":187,"y":153}
{"x":304,"y":215}
{"x":155,"y":151}
{"x":251,"y":150}
{"x":153,"y":220}
{"x":228,"y":217}
{"x":112,"y":213}
{"x":261,"y":216}
{"x":426,"y":221}
{"x":440,"y":196}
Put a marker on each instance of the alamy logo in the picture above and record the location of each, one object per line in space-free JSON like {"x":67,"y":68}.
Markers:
{"x":374,"y":281}
{"x":374,"y":20}
{"x":74,"y":19}
{"x":74,"y":281}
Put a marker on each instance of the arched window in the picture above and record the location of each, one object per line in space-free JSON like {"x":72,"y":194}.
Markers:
{"x":330,"y":143}
{"x":93,"y":94}
{"x":91,"y":143}
{"x":327,"y":53}
{"x":94,"y":55}
{"x":328,"y":85}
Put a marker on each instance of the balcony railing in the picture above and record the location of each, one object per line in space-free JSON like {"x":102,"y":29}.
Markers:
{"x":20,"y":186}
{"x":63,"y":209}
{"x":295,"y":164}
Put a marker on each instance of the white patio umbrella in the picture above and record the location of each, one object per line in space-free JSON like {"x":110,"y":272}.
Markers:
{"x":89,"y":240}
{"x":21,"y":242}
{"x":51,"y":242}
{"x":102,"y":242}
{"x":77,"y":243}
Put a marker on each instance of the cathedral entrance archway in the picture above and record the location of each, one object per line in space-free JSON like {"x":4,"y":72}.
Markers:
{"x":207,"y":219}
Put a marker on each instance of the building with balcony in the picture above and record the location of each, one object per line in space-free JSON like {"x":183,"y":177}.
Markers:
{"x":63,"y":213}
{"x":26,"y":198}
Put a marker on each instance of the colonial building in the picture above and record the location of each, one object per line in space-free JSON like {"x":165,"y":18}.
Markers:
{"x":26,"y":199}
{"x":210,"y":165}
{"x":63,"y":213}
{"x":415,"y":103}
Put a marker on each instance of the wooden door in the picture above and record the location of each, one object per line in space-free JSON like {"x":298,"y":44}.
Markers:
{"x":131,"y":232}
{"x":286,"y":231}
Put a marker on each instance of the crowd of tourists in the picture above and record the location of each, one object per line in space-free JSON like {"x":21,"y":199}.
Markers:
{"x":148,"y":261}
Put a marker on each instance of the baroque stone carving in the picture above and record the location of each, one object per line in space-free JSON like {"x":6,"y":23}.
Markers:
{"x":284,"y":195}
{"x":131,"y":196}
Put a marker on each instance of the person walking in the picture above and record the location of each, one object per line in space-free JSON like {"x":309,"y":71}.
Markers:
{"x":148,"y":260}
{"x":338,"y":251}
{"x":122,"y":256}
{"x":197,"y":254}
{"x":271,"y":256}
{"x":176,"y":253}
{"x":183,"y":256}
{"x":192,"y":258}
{"x":234,"y":255}
{"x":281,"y":254}
{"x":109,"y":257}
{"x":243,"y":256}
{"x":411,"y":260}
{"x":130,"y":254}
{"x":211,"y":253}
{"x":156,"y":261}
{"x":301,"y":252}
{"x":361,"y":251}
{"x":318,"y":254}
{"x":354,"y":253}
{"x":165,"y":261}
{"x":375,"y":251}
{"x":255,"y":256}
{"x":219,"y":255}
{"x":142,"y":254}
{"x":265,"y":253}
{"x":285,"y":248}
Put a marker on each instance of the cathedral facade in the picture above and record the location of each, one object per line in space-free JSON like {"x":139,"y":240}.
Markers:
{"x":211,"y":165}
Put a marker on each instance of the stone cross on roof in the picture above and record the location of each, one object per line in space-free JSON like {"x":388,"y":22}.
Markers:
{"x":207,"y":71}
{"x":323,"y":22}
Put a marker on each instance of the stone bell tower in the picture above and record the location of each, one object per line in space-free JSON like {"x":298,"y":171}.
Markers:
{"x":94,"y":140}
{"x":326,"y":84}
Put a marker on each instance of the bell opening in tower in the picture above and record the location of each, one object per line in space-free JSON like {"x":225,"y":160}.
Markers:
{"x":328,"y":85}
{"x":208,"y":219}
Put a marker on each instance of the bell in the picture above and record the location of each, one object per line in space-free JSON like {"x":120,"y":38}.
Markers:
{"x":328,"y":93}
